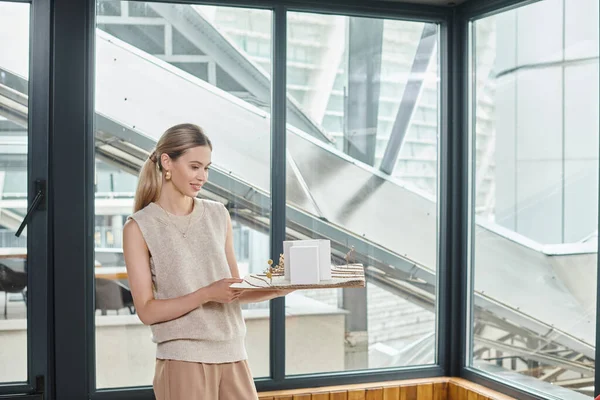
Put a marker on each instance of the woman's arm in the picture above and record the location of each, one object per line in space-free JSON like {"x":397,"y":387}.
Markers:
{"x":248,"y":296}
{"x":152,"y":311}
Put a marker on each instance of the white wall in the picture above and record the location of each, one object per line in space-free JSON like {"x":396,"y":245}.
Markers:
{"x":13,"y":350}
{"x":547,"y":120}
{"x":14,"y":37}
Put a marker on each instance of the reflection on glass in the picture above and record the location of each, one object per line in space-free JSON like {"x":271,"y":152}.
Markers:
{"x":14,"y":74}
{"x":535,"y":182}
{"x":152,"y":72}
{"x":362,"y":172}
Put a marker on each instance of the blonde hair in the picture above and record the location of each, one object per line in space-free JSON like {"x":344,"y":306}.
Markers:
{"x":174,"y":142}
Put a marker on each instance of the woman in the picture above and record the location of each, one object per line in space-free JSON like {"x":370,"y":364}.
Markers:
{"x":180,"y":262}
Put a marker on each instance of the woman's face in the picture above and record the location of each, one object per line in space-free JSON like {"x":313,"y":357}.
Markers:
{"x":190,"y":171}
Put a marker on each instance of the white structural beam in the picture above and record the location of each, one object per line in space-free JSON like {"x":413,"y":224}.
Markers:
{"x":322,"y":78}
{"x":410,"y":97}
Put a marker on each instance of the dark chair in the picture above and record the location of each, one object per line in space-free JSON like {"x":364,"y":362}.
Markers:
{"x":127,"y":299}
{"x":112,"y":296}
{"x":12,"y":282}
{"x":108,"y":296}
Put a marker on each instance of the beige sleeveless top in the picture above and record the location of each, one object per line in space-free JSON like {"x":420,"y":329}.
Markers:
{"x":187,"y":253}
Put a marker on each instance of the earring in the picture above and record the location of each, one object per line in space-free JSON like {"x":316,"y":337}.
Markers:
{"x":168,"y":175}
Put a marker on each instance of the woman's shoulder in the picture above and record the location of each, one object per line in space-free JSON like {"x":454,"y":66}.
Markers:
{"x":212,"y":205}
{"x":215,"y":209}
{"x":145,"y":214}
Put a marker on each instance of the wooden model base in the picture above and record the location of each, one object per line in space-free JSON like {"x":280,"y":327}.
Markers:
{"x":343,"y":276}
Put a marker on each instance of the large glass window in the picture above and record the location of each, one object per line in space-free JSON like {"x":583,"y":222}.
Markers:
{"x":158,"y":65}
{"x":362,"y":162}
{"x":14,"y":75}
{"x":534,"y":149}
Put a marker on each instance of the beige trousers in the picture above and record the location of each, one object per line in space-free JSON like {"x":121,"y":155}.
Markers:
{"x":181,"y":380}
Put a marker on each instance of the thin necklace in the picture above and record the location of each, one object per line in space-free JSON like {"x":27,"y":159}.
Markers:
{"x":184,"y":233}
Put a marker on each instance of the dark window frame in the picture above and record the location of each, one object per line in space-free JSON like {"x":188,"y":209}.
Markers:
{"x":39,"y":265}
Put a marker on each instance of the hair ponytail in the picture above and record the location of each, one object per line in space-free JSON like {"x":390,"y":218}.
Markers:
{"x":149,"y":184}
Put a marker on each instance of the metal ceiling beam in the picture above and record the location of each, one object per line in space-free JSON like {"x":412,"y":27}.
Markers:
{"x":206,"y":37}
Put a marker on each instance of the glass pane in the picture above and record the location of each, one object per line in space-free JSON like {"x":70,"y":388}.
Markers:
{"x":14,"y":75}
{"x":535,"y":147}
{"x":362,"y":172}
{"x":158,"y":65}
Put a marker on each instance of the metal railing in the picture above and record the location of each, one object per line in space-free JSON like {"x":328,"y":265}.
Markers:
{"x":8,"y":239}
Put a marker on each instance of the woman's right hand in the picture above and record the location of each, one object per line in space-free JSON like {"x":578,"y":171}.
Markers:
{"x":221,"y":292}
